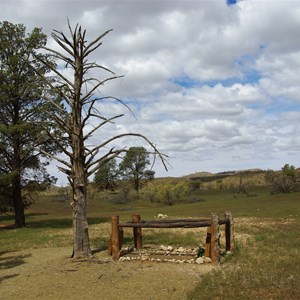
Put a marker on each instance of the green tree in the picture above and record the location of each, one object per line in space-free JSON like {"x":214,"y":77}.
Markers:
{"x":80,"y":94}
{"x":284,"y":181}
{"x":22,"y":114}
{"x":134,"y":164}
{"x":106,"y":176}
{"x":289,"y":171}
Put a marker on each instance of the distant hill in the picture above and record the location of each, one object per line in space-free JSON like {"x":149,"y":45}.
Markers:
{"x":227,"y":173}
{"x":208,"y":177}
{"x":199,"y":174}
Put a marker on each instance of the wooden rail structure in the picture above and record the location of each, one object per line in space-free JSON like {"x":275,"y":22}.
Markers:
{"x":212,"y":243}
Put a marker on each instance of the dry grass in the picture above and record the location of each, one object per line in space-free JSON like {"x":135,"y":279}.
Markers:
{"x":266,"y":264}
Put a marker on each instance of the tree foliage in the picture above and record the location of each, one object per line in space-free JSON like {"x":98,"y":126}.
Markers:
{"x":134,"y":164}
{"x":22,"y":119}
{"x":106,"y":176}
{"x":166,"y":192}
{"x":283,"y":182}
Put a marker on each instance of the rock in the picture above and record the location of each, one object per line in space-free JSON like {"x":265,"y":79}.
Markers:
{"x":200,"y":260}
{"x":164,"y":248}
{"x":207,"y":259}
{"x":161,"y":216}
{"x":170,"y":248}
{"x":124,"y":258}
{"x":180,"y":249}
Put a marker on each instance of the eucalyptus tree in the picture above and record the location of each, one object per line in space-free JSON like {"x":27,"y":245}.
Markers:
{"x":286,"y":181}
{"x":106,"y":176}
{"x":79,"y":94}
{"x":134,"y":166}
{"x":22,"y":118}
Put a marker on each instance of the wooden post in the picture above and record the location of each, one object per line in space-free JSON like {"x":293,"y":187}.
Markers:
{"x":121,"y":233}
{"x":215,"y":239}
{"x":137,"y":233}
{"x":229,"y":232}
{"x":109,"y":251}
{"x":208,"y":243}
{"x":115,"y":239}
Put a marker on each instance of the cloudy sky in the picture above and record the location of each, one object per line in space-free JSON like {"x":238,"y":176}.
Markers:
{"x":215,"y":85}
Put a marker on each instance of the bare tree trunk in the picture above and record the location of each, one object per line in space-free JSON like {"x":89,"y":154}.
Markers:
{"x":80,"y":96}
{"x":80,"y":224}
{"x":79,"y":177}
{"x":81,"y":242}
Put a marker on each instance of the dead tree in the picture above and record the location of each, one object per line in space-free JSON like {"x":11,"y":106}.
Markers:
{"x":78,"y":96}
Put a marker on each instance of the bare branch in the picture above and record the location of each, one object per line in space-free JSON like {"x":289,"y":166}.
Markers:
{"x":100,"y":125}
{"x":53,"y":87}
{"x":56,"y":158}
{"x":104,"y":159}
{"x":88,"y":113}
{"x":57,"y":72}
{"x":66,"y":171}
{"x":54,"y":104}
{"x":156,"y":151}
{"x":90,"y":93}
{"x":60,"y":35}
{"x":59,"y":145}
{"x":58,"y":55}
{"x":89,"y":48}
{"x":89,"y":66}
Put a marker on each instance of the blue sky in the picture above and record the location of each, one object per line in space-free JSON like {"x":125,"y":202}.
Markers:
{"x":214,"y":86}
{"x":231,"y":2}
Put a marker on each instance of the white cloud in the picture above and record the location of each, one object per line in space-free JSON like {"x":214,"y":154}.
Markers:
{"x":238,"y":104}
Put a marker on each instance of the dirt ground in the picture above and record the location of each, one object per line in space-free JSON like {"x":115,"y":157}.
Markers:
{"x":51,"y":274}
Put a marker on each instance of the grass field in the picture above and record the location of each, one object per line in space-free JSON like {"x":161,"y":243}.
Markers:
{"x":265,"y":265}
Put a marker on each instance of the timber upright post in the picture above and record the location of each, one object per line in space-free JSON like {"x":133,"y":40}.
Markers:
{"x":115,"y":239}
{"x":208,"y":242}
{"x":215,"y":239}
{"x":229,"y":235}
{"x":137,"y":232}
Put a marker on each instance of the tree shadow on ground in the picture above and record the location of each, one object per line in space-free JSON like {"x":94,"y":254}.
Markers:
{"x":62,"y":223}
{"x":12,"y":261}
{"x":12,"y":216}
{"x":103,"y":243}
{"x":2,"y":278}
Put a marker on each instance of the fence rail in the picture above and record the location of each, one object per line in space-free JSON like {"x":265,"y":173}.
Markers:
{"x":212,"y":243}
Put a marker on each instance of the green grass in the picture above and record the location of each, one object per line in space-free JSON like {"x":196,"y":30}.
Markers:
{"x":265,"y":265}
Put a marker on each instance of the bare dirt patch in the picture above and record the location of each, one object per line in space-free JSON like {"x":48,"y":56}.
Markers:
{"x":50,"y":274}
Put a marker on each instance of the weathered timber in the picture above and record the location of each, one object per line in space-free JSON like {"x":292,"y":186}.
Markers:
{"x":229,"y":235}
{"x":194,"y":221}
{"x":212,"y":245}
{"x":208,"y":242}
{"x":121,"y":233}
{"x":109,"y":249}
{"x":174,"y":220}
{"x":166,"y":225}
{"x":137,"y":232}
{"x":115,"y":240}
{"x":223,"y":221}
{"x":215,"y":239}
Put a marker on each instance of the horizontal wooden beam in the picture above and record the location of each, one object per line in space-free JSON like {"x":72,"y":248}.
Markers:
{"x":165,"y":225}
{"x":176,"y":220}
{"x":178,"y":223}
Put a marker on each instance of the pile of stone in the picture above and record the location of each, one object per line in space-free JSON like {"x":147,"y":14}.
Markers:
{"x":168,"y":254}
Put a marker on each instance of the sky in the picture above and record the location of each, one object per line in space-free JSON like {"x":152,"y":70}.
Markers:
{"x":214,"y":84}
